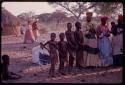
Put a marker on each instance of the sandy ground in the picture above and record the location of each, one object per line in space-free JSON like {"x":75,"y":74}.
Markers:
{"x":21,"y":63}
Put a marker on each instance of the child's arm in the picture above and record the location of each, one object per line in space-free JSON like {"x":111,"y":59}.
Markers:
{"x":45,"y":46}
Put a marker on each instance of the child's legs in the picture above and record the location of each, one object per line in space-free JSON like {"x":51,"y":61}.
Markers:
{"x":71,"y":58}
{"x":53,"y":63}
{"x":61,"y":65}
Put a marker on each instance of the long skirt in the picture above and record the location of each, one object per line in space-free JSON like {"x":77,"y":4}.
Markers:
{"x":29,"y":37}
{"x":93,"y":58}
{"x":85,"y":54}
{"x":105,"y":51}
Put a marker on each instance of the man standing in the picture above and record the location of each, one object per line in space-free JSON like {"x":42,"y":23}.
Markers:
{"x":79,"y":40}
{"x":71,"y":45}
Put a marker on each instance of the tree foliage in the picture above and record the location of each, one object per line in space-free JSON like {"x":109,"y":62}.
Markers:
{"x":75,"y":8}
{"x":27,"y":16}
{"x":108,"y":8}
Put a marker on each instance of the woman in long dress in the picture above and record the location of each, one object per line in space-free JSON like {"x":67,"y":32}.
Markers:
{"x":91,"y":58}
{"x":104,"y":43}
{"x":29,"y":36}
{"x":35,"y":29}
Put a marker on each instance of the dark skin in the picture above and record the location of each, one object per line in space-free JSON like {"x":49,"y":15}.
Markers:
{"x":62,"y":37}
{"x":78,"y":27}
{"x":52,"y":41}
{"x":69,"y":27}
{"x":5,"y":73}
{"x":88,"y":19}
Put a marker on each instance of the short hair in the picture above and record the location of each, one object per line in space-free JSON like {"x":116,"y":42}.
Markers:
{"x":69,"y":23}
{"x":5,"y":57}
{"x":53,"y":34}
{"x":77,"y":24}
{"x":62,"y":34}
{"x":112,"y":22}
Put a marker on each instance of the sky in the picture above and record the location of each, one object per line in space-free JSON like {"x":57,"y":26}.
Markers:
{"x":38,"y":7}
{"x":18,"y":7}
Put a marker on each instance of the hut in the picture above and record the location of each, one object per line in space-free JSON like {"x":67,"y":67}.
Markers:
{"x":10,"y":24}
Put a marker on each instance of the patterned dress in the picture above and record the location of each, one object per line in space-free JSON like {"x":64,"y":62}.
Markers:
{"x":91,"y":57}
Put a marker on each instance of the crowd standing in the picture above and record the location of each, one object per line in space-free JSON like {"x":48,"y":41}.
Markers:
{"x":87,"y":47}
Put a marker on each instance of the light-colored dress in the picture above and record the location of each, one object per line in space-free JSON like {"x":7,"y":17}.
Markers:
{"x":91,"y":57}
{"x":29,"y":36}
{"x":35,"y":30}
{"x":104,"y":46}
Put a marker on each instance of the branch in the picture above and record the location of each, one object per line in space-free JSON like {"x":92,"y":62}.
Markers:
{"x":67,"y":8}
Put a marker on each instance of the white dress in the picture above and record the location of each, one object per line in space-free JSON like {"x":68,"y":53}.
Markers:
{"x":35,"y":54}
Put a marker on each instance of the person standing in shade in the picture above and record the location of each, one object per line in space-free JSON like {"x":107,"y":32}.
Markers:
{"x":71,"y":46}
{"x":117,"y":43}
{"x":104,"y":44}
{"x":113,"y":28}
{"x":63,"y":54}
{"x":79,"y":40}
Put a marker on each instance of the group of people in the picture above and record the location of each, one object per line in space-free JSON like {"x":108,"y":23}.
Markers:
{"x":87,"y":47}
{"x":30,"y":31}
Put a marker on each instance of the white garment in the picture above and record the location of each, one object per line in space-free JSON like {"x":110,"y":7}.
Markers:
{"x":117,"y":44}
{"x":35,"y":54}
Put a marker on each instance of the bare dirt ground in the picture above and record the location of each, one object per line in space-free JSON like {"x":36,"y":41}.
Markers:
{"x":21,"y":63}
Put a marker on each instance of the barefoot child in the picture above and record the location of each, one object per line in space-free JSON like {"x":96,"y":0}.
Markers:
{"x":63,"y":53}
{"x":79,"y":40}
{"x":53,"y":53}
{"x":71,"y":45}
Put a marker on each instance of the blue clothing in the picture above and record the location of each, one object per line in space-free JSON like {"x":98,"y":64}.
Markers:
{"x":105,"y":50}
{"x":44,"y":59}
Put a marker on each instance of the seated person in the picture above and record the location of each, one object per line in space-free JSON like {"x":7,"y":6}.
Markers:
{"x":5,"y":73}
{"x":40,"y":55}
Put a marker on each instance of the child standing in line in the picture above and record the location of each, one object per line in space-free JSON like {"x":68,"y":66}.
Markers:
{"x":53,"y":45}
{"x":71,"y":46}
{"x":63,"y":53}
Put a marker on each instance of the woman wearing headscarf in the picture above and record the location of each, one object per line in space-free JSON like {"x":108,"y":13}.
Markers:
{"x":104,"y":44}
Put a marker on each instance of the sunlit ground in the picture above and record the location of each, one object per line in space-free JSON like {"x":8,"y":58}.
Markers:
{"x":21,"y":63}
